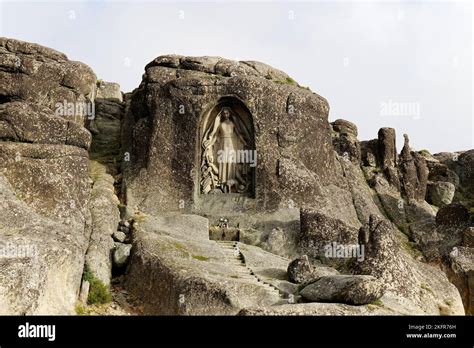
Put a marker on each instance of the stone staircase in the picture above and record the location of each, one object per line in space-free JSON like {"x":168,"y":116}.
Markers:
{"x":240,"y":270}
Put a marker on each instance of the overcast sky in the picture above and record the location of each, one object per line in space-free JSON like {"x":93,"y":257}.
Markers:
{"x":406,"y":65}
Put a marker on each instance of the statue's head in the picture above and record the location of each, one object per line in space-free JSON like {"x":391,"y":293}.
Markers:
{"x":225,"y":113}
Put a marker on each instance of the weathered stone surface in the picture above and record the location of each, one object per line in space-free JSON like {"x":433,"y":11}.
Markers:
{"x":301,"y":271}
{"x":119,"y":236}
{"x":43,"y":76}
{"x":369,"y":152}
{"x":382,"y":256}
{"x":440,"y":193}
{"x":440,"y":172}
{"x":348,"y":289}
{"x":319,"y":231}
{"x":343,"y":126}
{"x":53,"y":179}
{"x":462,"y":165}
{"x":418,"y":284}
{"x":387,"y":148}
{"x":413,"y":173}
{"x":452,"y":214}
{"x":468,"y":237}
{"x":387,"y":155}
{"x":41,"y":270}
{"x":31,"y":123}
{"x":121,"y":254}
{"x":306,"y":309}
{"x":344,"y":140}
{"x":44,"y":177}
{"x":109,"y":90}
{"x":364,"y":201}
{"x":175,"y":270}
{"x":461,"y":272}
{"x":105,"y":218}
{"x":284,"y":117}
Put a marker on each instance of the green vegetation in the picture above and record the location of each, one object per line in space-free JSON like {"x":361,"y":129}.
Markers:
{"x":139,"y":216}
{"x":98,"y":291}
{"x":404,"y":230}
{"x":410,"y":246}
{"x":377,"y":170}
{"x":449,"y":302}
{"x":200,"y":258}
{"x":424,"y":152}
{"x":377,"y":302}
{"x":268,"y":76}
{"x":179,"y":246}
{"x":426,"y":287}
{"x":290,"y":81}
{"x":80,"y":310}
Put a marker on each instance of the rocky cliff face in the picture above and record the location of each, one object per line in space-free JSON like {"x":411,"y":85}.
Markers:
{"x":80,"y":160}
{"x":44,"y":177}
{"x":163,"y":133}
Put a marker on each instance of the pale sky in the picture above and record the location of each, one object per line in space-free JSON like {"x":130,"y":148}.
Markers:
{"x":370,"y":59}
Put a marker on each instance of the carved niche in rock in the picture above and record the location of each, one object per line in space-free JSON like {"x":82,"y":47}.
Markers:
{"x":228,"y":156}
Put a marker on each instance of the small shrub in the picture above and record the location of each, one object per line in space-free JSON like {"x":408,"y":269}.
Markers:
{"x":424,"y":152}
{"x":98,"y":291}
{"x":200,"y":258}
{"x":290,"y":81}
{"x":377,"y":302}
{"x":377,"y":170}
{"x":80,"y":310}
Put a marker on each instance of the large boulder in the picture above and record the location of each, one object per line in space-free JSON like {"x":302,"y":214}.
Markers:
{"x":468,"y":237}
{"x":319,"y":232}
{"x":345,"y":127}
{"x":32,"y":123}
{"x":44,"y":169}
{"x":387,"y":148}
{"x":460,"y":165}
{"x":302,"y":271}
{"x":440,"y":193}
{"x":344,"y":139}
{"x":165,"y":123}
{"x":452,"y":214}
{"x":176,"y":270}
{"x":109,"y":90}
{"x":420,"y":285}
{"x":42,"y":260}
{"x":37,"y":74}
{"x":461,"y":272}
{"x":350,"y":289}
{"x":413,"y":172}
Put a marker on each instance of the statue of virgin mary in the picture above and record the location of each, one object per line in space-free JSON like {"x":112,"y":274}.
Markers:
{"x":223,"y":141}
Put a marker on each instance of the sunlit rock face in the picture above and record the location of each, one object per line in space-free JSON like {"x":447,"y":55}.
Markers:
{"x":189,"y":109}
